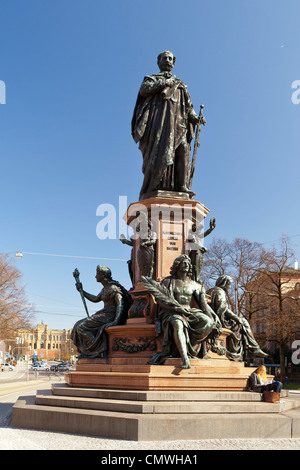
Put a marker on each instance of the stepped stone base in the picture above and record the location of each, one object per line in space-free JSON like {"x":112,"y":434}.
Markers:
{"x":157,"y":415}
{"x":124,"y":397}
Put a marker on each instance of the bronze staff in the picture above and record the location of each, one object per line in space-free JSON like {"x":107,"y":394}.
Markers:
{"x":76,"y":276}
{"x":197,"y":144}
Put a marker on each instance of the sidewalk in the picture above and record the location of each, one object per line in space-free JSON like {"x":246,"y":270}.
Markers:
{"x":21,"y":439}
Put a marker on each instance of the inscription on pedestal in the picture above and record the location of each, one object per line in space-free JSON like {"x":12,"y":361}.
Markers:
{"x":172,"y":237}
{"x":172,"y":244}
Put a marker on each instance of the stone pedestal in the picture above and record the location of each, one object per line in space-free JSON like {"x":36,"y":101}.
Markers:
{"x":133,"y":343}
{"x":127,"y":368}
{"x":131,"y":346}
{"x":172,"y":219}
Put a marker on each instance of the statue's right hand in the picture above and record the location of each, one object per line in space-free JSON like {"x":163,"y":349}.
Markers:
{"x":170,"y":82}
{"x":122,"y":238}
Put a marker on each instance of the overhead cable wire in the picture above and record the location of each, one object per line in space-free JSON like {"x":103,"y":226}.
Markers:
{"x":71,"y":256}
{"x":59,"y":314}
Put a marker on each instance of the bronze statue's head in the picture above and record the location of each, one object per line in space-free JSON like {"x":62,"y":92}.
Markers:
{"x":166,"y":61}
{"x":224,"y":282}
{"x":103,"y":272}
{"x":178,"y":261}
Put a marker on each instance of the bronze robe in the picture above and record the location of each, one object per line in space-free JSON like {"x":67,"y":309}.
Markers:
{"x":160,"y":124}
{"x":198,"y":325}
{"x":241,"y":340}
{"x":88,"y":334}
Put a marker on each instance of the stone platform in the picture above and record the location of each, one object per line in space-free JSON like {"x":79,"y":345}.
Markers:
{"x":209,"y":374}
{"x":131,"y":347}
{"x":157,"y":415}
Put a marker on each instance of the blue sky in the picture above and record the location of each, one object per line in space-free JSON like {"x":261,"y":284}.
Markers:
{"x":72,"y":71}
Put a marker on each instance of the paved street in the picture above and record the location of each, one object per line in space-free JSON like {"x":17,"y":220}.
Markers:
{"x":22,"y":439}
{"x":19,"y":373}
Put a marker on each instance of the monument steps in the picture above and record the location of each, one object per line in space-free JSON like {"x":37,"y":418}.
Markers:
{"x":149,"y":416}
{"x":246,"y":405}
{"x":156,"y":395}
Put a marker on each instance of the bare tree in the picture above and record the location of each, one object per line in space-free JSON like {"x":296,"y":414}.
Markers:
{"x":14,"y":309}
{"x":216,"y":261}
{"x":242,"y":260}
{"x":282,"y":305}
{"x":263,"y":281}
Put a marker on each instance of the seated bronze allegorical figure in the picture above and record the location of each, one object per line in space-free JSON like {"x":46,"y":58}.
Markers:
{"x":241,"y":341}
{"x":88,"y":334}
{"x":184,"y":328}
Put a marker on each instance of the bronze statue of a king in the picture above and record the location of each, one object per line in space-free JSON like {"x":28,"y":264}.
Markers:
{"x":163,"y":124}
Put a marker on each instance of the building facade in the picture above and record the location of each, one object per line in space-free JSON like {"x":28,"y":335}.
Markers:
{"x":46,"y":343}
{"x":290,"y":296}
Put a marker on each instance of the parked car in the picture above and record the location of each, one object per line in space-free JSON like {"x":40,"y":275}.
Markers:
{"x":6,"y":366}
{"x":40,"y":367}
{"x":53,"y":368}
{"x":62,"y":367}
